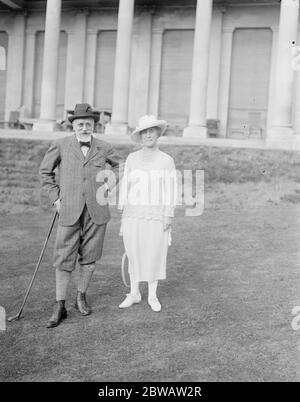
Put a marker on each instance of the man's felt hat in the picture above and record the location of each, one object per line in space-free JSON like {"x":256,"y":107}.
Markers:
{"x":84,"y":111}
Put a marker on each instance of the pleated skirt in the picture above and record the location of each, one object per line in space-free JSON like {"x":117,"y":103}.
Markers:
{"x":146,"y":246}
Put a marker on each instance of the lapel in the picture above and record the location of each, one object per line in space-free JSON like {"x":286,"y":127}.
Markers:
{"x":94,"y":150}
{"x":75,"y":147}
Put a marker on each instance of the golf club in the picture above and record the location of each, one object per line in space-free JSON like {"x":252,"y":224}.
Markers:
{"x":18,"y":316}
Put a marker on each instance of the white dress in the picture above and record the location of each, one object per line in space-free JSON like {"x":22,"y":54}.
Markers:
{"x":148,"y":193}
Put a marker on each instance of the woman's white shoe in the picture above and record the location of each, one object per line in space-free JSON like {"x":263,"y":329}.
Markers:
{"x":154,"y":304}
{"x":130,"y":300}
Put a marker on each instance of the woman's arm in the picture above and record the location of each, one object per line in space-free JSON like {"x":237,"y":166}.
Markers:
{"x":123,"y":186}
{"x":170,"y":193}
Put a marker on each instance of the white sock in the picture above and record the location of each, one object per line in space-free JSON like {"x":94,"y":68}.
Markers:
{"x":134,"y":286}
{"x":152,"y":286}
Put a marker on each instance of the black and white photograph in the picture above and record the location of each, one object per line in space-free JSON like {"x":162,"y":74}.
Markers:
{"x":149,"y":194}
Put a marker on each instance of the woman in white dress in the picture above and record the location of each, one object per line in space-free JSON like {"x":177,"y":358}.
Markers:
{"x":147,"y":198}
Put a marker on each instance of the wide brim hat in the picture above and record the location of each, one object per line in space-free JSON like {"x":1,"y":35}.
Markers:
{"x":148,"y":121}
{"x":83,"y":111}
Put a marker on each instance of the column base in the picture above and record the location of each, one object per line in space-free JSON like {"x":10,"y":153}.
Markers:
{"x":195,"y":132}
{"x":296,"y":142}
{"x":116,"y":129}
{"x":280,"y":138}
{"x":46,"y":125}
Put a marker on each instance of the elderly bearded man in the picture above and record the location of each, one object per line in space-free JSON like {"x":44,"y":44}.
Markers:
{"x":82,"y":220}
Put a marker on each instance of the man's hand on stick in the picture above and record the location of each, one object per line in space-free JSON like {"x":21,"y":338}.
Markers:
{"x":57,"y":205}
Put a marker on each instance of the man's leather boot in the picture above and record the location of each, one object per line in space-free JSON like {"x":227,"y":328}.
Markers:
{"x":59,"y":314}
{"x":82,"y":305}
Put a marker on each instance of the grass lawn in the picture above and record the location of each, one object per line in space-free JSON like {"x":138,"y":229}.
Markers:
{"x":233,"y":279}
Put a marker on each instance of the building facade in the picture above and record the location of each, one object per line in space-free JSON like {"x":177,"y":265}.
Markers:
{"x":234,"y":62}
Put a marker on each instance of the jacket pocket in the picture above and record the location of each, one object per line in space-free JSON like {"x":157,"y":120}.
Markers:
{"x":99,"y":162}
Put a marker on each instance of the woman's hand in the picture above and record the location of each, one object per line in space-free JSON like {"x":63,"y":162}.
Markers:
{"x":121,"y":230}
{"x":167,"y":223}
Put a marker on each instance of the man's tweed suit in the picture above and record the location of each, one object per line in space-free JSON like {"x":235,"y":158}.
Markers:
{"x":77,"y":190}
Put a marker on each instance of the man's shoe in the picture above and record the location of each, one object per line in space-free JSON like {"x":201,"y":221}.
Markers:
{"x":59,"y":314}
{"x":154,"y":304}
{"x":81,"y":304}
{"x":130,"y":300}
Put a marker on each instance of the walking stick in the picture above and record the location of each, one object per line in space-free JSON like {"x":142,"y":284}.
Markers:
{"x":18,"y":316}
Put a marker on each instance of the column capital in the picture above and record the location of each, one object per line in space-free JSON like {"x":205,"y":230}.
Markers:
{"x":31,"y":31}
{"x":229,"y":30}
{"x":82,"y":10}
{"x":223,"y":7}
{"x":92,"y":31}
{"x":146,"y":8}
{"x":289,"y":3}
{"x":158,"y":31}
{"x":274,"y":28}
{"x":22,"y":12}
{"x":17,"y":28}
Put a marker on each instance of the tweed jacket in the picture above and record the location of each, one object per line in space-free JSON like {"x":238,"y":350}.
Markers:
{"x":77,"y":184}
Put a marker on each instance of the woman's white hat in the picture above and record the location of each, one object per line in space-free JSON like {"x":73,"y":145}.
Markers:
{"x":145,"y":122}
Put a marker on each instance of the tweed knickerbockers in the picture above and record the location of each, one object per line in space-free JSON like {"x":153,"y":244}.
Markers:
{"x":84,"y":238}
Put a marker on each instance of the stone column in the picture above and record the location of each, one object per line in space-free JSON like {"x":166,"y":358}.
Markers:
{"x":197,"y":118}
{"x":271,"y":94}
{"x":296,"y":103}
{"x":140,"y":69}
{"x":296,"y":115}
{"x":90,"y":67}
{"x":14,"y":78}
{"x":119,"y":124}
{"x":47,"y":120}
{"x":280,"y":130}
{"x":214,"y":64}
{"x":76,"y":60}
{"x":225,"y":72}
{"x":29,"y":72}
{"x":155,"y":70}
{"x":2,"y":319}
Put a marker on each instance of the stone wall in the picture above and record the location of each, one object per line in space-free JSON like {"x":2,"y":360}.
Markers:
{"x":245,"y":177}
